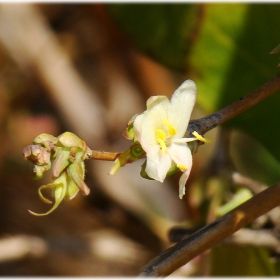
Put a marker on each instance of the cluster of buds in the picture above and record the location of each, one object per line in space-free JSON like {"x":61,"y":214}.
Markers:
{"x":65,"y":154}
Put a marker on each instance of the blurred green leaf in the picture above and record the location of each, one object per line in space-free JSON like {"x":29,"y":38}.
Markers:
{"x":239,"y":197}
{"x":240,"y":261}
{"x":163,"y":31}
{"x":230,"y":59}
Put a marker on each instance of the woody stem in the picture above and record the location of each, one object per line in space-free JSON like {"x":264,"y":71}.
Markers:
{"x":209,"y":122}
{"x":100,"y":155}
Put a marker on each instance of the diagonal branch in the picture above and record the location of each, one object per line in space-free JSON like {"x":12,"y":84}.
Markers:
{"x":244,"y":103}
{"x":108,"y":156}
{"x":210,"y":235}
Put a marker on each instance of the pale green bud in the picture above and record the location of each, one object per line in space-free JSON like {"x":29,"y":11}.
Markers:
{"x":46,"y":140}
{"x":130,"y":155}
{"x":66,"y":155}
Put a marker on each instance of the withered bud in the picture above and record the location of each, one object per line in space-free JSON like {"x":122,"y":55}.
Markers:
{"x":37,"y":154}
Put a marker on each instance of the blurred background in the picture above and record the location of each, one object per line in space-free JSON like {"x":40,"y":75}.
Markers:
{"x":88,"y":68}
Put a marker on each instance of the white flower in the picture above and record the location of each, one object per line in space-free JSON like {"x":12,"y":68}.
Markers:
{"x":161,"y":129}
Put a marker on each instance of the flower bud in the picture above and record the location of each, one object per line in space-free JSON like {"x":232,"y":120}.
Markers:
{"x":66,"y":155}
{"x":37,"y":154}
{"x":46,"y":140}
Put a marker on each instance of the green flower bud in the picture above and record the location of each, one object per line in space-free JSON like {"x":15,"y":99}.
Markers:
{"x":59,"y":187}
{"x":130,"y":155}
{"x":173,"y":169}
{"x":137,"y":150}
{"x":72,"y":189}
{"x":69,"y":139}
{"x":39,"y":170}
{"x":61,"y":161}
{"x":37,"y":154}
{"x":76,"y":171}
{"x":46,"y":140}
{"x":129,"y":132}
{"x":143,"y":171}
{"x":66,"y":154}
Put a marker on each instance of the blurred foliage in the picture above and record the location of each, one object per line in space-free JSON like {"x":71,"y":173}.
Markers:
{"x":241,"y":262}
{"x":163,"y":31}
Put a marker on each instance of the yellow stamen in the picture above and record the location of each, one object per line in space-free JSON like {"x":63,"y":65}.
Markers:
{"x":200,"y":138}
{"x":161,"y":136}
{"x":182,"y":167}
{"x":171,"y":129}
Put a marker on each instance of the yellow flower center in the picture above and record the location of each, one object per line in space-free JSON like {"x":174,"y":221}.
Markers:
{"x":171,"y":129}
{"x":162,"y":136}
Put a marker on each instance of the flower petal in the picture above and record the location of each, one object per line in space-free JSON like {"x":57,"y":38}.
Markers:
{"x":182,"y":156}
{"x":146,"y":124}
{"x":157,"y":107}
{"x":69,"y":139}
{"x":153,"y":100}
{"x":72,"y":189}
{"x":60,"y":162}
{"x":181,"y":106}
{"x":157,"y":164}
{"x":153,"y":120}
{"x":182,"y":183}
{"x":76,"y":171}
{"x":137,"y":126}
{"x":59,"y":187}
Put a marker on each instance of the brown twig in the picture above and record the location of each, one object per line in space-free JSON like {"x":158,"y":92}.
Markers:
{"x":211,"y":121}
{"x":100,"y":155}
{"x":210,"y":235}
{"x":243,"y":237}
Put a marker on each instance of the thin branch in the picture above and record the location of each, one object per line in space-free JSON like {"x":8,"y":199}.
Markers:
{"x":210,"y":235}
{"x":98,"y":155}
{"x":244,"y":103}
{"x":243,"y":237}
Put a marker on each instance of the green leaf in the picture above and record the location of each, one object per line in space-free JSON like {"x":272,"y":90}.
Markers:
{"x":230,"y":59}
{"x":163,"y":31}
{"x":241,"y":261}
{"x":239,"y":197}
